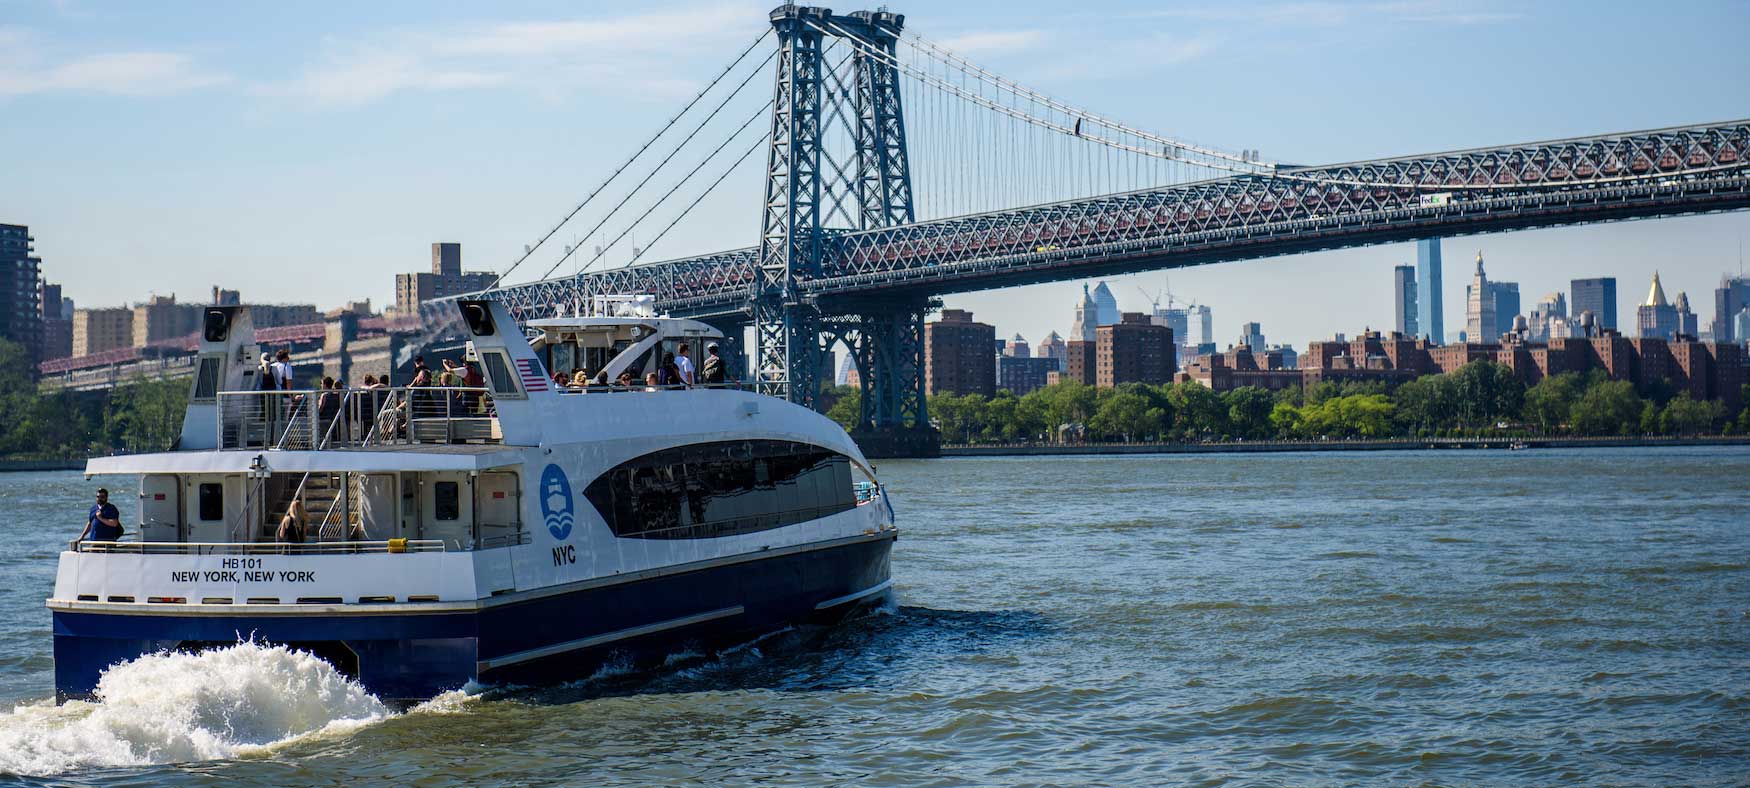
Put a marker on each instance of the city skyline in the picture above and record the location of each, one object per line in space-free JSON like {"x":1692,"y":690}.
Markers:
{"x":266,"y":152}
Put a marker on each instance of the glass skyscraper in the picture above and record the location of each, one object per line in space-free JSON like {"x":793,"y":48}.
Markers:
{"x":1404,"y":300}
{"x":1597,"y":296}
{"x":1428,"y":311}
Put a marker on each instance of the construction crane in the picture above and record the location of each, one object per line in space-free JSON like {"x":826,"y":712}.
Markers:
{"x":1155,"y":300}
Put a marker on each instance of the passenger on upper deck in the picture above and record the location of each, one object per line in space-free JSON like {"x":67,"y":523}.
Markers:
{"x":104,"y":524}
{"x":668,"y":373}
{"x":579,"y":379}
{"x":712,"y":371}
{"x":683,"y":364}
{"x":282,"y":369}
{"x":627,"y":379}
{"x":328,"y":404}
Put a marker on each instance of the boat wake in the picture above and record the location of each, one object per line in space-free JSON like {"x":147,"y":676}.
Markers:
{"x":174,"y":707}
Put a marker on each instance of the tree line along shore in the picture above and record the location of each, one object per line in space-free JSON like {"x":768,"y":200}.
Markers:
{"x":1482,"y":399}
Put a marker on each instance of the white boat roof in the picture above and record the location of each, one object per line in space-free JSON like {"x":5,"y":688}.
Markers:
{"x":667,"y":326}
{"x":463,"y":457}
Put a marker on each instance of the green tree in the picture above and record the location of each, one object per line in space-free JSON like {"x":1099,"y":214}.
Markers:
{"x":1003,"y":419}
{"x":1062,"y":406}
{"x":1197,"y":411}
{"x":1427,"y":403}
{"x":1684,"y":415}
{"x":1126,"y":415}
{"x":1609,"y":407}
{"x":1360,"y":415}
{"x":847,"y":406}
{"x":1286,"y":421}
{"x":1487,"y":392}
{"x":1248,"y":412}
{"x":1548,"y":403}
{"x":960,"y":417}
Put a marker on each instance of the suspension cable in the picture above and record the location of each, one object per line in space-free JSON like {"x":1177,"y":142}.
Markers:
{"x":942,"y":52}
{"x":666,"y":159}
{"x":1166,"y":153}
{"x":527,"y":253}
{"x":701,"y":198}
{"x":678,"y":184}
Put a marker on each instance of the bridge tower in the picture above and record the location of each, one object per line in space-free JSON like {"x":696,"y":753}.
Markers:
{"x":812,"y":191}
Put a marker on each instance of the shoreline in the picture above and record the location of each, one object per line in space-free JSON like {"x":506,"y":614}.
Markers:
{"x":1391,"y":444}
{"x":21,"y":466}
{"x":1246,"y":447}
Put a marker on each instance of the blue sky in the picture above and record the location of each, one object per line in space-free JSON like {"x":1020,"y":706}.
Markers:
{"x":309,"y":152}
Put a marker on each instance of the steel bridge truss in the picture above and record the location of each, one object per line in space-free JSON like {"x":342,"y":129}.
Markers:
{"x":841,"y":259}
{"x":1658,"y":173}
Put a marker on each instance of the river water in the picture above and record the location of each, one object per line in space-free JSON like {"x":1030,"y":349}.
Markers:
{"x":1421,"y":618}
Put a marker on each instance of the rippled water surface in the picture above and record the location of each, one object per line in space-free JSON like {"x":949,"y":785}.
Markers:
{"x":1439,"y":618}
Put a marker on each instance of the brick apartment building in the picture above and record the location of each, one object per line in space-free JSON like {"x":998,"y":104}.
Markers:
{"x":958,"y":355}
{"x":1133,"y":350}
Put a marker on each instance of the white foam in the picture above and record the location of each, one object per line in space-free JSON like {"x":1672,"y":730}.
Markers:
{"x":178,"y":707}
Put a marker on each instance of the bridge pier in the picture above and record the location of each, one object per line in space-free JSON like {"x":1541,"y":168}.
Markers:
{"x":886,"y":342}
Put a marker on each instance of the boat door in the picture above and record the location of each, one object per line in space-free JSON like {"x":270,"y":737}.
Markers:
{"x":500,"y":508}
{"x":377,"y":505}
{"x":447,"y":509}
{"x":160,"y":508}
{"x":214,"y":503}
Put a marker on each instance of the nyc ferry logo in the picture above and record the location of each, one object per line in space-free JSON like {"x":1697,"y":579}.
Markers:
{"x":557,"y":510}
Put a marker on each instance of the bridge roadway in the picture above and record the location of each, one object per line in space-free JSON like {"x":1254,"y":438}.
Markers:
{"x":1666,"y":172}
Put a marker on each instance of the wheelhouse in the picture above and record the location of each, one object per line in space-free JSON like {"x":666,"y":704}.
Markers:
{"x":623,"y":336}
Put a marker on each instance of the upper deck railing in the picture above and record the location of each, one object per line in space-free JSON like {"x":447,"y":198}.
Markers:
{"x":139,"y":547}
{"x":356,"y":417}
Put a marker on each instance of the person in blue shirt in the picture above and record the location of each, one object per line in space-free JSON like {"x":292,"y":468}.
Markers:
{"x":105,"y":522}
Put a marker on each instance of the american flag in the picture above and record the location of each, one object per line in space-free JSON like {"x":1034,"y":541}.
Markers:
{"x":530,"y":371}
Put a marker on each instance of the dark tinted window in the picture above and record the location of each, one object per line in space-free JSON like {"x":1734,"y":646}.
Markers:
{"x":722,"y":489}
{"x":206,"y":377}
{"x":447,"y":501}
{"x":211,"y":502}
{"x":498,"y":373}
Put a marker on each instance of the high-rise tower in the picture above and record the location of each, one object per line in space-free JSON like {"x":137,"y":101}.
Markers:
{"x":1404,"y":300}
{"x":1479,"y":313}
{"x":1428,"y":310}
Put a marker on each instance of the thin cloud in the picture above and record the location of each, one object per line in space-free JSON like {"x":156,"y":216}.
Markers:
{"x":994,"y":42}
{"x":1330,"y":14}
{"x":642,"y":32}
{"x":110,"y":73}
{"x":549,"y":58}
{"x":1140,"y":55}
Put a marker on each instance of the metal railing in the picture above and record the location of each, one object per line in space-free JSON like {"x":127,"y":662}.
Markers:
{"x":261,"y":548}
{"x":356,"y":417}
{"x":615,"y":388}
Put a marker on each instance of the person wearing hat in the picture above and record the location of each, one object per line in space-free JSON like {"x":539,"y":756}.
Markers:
{"x":711,"y":372}
{"x":104,"y":524}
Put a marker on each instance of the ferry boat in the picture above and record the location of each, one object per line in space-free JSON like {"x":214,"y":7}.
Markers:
{"x":519,"y":532}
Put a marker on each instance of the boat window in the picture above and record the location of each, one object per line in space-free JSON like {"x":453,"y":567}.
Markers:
{"x":210,"y":501}
{"x":722,"y":489}
{"x":446,"y":501}
{"x":498,"y":374}
{"x":563,"y":357}
{"x":206,"y":378}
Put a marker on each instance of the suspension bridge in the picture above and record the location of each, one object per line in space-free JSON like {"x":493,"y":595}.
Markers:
{"x":897,"y":171}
